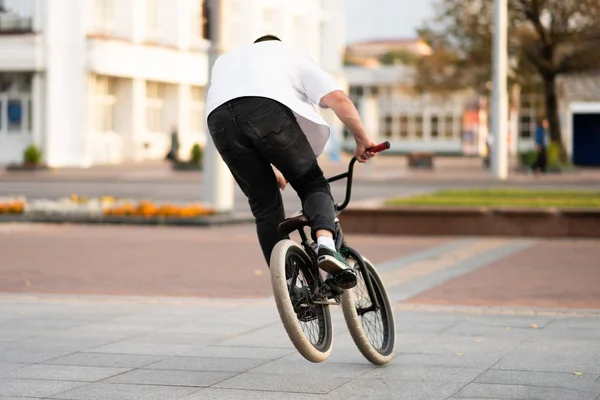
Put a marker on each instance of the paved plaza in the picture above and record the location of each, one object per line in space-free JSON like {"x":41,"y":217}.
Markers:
{"x":103,"y":312}
{"x":382,"y":177}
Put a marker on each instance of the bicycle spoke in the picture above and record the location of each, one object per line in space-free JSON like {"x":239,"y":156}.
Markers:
{"x":373,"y":322}
{"x":310,"y":316}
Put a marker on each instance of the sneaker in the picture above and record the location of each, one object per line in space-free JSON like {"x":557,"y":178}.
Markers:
{"x":333,"y":263}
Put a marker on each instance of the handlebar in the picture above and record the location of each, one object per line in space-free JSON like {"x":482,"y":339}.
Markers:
{"x":377,"y":149}
{"x":380,"y":147}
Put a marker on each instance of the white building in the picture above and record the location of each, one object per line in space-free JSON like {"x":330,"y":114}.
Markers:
{"x":100,"y":81}
{"x":106,"y":81}
{"x":393,"y":112}
{"x":456,"y":123}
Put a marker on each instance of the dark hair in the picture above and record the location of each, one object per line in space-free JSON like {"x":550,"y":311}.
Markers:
{"x":267,"y":37}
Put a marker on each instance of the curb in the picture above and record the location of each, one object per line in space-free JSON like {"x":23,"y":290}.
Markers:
{"x":472,"y":221}
{"x":205,"y":221}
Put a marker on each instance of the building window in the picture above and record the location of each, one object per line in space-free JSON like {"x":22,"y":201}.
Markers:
{"x":205,"y":20}
{"x":449,"y":127}
{"x":435,"y":129}
{"x":525,"y":126}
{"x":388,"y":126}
{"x":104,"y":15}
{"x":155,"y":94}
{"x":15,"y":103}
{"x":152,"y":25}
{"x":197,"y":109}
{"x":15,"y":115}
{"x":404,"y":126}
{"x":531,"y":104}
{"x":419,"y":127}
{"x":105,"y":98}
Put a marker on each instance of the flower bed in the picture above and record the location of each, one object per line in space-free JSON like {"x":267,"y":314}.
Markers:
{"x":10,"y":205}
{"x":149,"y":209}
{"x":98,"y":207}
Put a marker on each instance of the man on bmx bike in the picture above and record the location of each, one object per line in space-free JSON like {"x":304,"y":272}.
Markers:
{"x":260,"y":113}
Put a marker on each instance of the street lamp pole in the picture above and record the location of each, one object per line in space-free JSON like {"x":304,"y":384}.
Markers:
{"x":500,"y":91}
{"x":218,"y":182}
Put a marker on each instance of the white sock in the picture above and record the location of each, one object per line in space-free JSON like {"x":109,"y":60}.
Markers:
{"x":326,"y":241}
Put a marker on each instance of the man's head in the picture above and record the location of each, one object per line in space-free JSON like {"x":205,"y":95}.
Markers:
{"x":267,"y":37}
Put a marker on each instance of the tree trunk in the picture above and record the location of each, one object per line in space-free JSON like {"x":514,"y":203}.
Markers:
{"x":551,"y":101}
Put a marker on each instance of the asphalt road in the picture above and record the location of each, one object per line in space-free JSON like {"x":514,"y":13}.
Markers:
{"x":185,"y":192}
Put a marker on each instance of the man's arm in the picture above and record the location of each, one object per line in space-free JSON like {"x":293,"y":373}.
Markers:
{"x":324,"y":91}
{"x":345,"y":110}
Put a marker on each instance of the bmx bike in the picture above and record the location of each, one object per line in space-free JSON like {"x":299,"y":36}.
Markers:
{"x":303,"y":293}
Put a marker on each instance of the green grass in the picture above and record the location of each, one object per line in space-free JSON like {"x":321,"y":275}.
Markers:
{"x":505,"y":198}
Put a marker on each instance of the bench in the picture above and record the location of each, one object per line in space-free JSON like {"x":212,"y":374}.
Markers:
{"x":420,"y":160}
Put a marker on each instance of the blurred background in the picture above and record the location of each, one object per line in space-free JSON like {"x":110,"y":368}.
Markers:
{"x":109,"y":187}
{"x":96,"y":82}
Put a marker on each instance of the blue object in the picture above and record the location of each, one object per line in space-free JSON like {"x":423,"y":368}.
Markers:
{"x":540,"y":136}
{"x":15,"y":112}
{"x":586,"y":139}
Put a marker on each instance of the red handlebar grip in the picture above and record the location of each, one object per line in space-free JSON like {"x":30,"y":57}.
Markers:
{"x":380,"y":147}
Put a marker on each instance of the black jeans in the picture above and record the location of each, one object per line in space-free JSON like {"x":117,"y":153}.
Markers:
{"x":251,"y":133}
{"x":541,"y":161}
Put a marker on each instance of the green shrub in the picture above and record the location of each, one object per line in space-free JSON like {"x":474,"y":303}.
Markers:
{"x":32,"y":155}
{"x":528,"y":157}
{"x":553,"y":154}
{"x":553,"y":158}
{"x":196,"y":154}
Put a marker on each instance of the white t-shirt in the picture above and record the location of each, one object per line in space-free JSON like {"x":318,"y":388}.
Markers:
{"x":273,"y":70}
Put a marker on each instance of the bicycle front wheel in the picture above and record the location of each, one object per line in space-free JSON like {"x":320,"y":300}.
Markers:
{"x":307,"y":324}
{"x":372,"y":329}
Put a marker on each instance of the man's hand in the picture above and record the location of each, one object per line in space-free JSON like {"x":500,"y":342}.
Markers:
{"x":361,"y":154}
{"x":345,"y":110}
{"x":281,"y":181}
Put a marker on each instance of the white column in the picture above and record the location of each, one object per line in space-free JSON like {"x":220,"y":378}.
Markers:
{"x":183,"y":118}
{"x":138,"y":118}
{"x":500,"y":94}
{"x":426,"y":115}
{"x":369,"y":113}
{"x":514,"y":121}
{"x":482,"y":131}
{"x":66,"y":83}
{"x":218,"y":182}
{"x":38,"y":105}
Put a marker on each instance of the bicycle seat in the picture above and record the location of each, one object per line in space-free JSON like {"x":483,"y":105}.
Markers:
{"x":293,"y":223}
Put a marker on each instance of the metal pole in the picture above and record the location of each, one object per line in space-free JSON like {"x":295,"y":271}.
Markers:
{"x":218,"y":182}
{"x":500,"y":91}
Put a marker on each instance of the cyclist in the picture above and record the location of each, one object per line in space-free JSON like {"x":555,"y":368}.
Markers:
{"x":261,"y":118}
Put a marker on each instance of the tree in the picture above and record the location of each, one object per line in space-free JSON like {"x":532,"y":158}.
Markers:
{"x":547,"y":38}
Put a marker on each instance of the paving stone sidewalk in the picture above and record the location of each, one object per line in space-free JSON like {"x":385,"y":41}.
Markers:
{"x":125,"y":348}
{"x":156,"y":329}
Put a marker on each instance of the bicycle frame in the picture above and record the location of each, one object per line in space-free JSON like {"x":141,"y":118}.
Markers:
{"x":340,"y":243}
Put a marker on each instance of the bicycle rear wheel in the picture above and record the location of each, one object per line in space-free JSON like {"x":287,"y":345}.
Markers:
{"x":307,"y":324}
{"x":373,"y":330}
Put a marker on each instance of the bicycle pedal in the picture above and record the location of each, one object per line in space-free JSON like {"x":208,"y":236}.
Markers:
{"x":336,"y":302}
{"x":345,"y":279}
